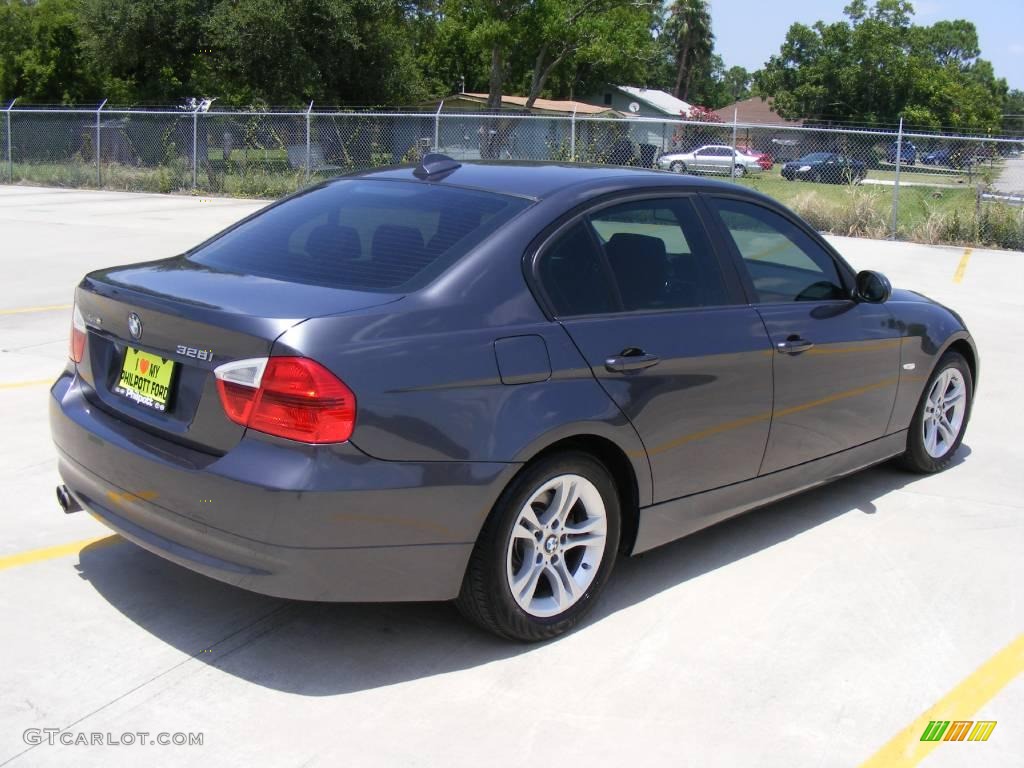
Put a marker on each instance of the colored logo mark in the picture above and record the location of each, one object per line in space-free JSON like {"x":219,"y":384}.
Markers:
{"x":958,"y":730}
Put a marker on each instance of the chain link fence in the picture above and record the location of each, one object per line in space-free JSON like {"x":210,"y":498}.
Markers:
{"x":855,"y":181}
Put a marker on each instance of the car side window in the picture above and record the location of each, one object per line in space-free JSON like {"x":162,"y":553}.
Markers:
{"x":783,"y":262}
{"x":660,"y":255}
{"x":574,"y":276}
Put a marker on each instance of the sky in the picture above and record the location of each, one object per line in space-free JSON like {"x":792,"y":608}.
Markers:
{"x":748,"y":32}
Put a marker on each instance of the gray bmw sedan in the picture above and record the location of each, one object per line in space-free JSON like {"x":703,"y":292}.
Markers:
{"x":486,"y":382}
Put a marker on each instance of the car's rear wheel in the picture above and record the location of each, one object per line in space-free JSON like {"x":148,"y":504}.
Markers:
{"x":677,"y":167}
{"x":941,"y":418}
{"x":546,"y":550}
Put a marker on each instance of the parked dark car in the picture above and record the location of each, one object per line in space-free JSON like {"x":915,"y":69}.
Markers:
{"x":825,"y":168}
{"x":937,"y":157}
{"x":907,"y":152}
{"x":486,"y":382}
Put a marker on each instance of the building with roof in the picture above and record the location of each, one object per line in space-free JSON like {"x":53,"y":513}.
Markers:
{"x":476,"y":102}
{"x":754,"y":110}
{"x":464,"y":133}
{"x":639,"y":102}
{"x":650,"y":103}
{"x":769,"y":134}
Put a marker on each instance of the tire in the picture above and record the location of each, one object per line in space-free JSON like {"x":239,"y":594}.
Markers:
{"x":677,"y":167}
{"x":930,"y":448}
{"x":740,"y":171}
{"x":506,"y":553}
{"x":816,"y":178}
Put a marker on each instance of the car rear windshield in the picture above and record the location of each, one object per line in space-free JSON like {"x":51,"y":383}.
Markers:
{"x":362,"y":234}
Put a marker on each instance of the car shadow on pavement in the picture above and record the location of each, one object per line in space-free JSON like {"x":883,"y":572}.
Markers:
{"x":322,"y":649}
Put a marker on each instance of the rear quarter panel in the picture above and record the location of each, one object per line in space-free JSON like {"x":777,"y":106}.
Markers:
{"x":426,"y":378}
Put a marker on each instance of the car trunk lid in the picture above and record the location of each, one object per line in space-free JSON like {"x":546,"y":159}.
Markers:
{"x":187,"y":319}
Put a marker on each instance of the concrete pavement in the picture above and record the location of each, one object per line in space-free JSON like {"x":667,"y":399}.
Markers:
{"x":808,"y":633}
{"x":1011,"y":177}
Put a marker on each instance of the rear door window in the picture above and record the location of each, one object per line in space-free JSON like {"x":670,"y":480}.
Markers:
{"x":637,"y":256}
{"x":362,"y":235}
{"x":660,"y":255}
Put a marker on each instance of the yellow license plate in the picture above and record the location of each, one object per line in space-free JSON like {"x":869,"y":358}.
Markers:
{"x":145,"y":378}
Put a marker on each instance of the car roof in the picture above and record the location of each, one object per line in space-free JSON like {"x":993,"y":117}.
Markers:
{"x":537,"y":180}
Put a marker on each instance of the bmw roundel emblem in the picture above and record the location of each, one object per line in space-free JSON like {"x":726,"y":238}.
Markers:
{"x":134,"y":325}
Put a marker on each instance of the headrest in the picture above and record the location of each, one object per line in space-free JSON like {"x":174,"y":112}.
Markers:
{"x":640,"y":266}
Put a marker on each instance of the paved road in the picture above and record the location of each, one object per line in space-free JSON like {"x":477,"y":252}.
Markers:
{"x":809,"y":633}
{"x":1011,"y":179}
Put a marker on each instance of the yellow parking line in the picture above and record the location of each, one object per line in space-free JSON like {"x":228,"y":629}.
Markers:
{"x":20,"y":384}
{"x":26,"y":310}
{"x":906,"y":748}
{"x":958,"y":276}
{"x":49,"y":553}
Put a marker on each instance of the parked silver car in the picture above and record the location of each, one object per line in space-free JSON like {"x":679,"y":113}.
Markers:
{"x":713,"y":158}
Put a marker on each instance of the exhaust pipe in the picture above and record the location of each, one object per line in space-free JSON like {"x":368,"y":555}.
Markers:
{"x":67,"y":501}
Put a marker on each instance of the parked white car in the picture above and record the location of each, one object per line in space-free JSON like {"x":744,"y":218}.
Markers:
{"x":713,"y":158}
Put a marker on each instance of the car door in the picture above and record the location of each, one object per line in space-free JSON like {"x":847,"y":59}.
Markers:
{"x":707,"y":162}
{"x":720,"y":160}
{"x":836,"y":361}
{"x":831,"y":170}
{"x":667,"y":333}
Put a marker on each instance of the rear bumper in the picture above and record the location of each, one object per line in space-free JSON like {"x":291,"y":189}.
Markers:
{"x":284,"y":519}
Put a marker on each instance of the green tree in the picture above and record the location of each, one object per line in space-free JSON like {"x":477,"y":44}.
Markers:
{"x":1013,"y":113}
{"x":688,"y":32}
{"x":877,"y":66}
{"x":40,"y":53}
{"x":143,"y":50}
{"x":596,"y":35}
{"x":534,"y":43}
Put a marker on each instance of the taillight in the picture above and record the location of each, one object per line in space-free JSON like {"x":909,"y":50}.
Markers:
{"x":77,"y":346}
{"x":292,"y":397}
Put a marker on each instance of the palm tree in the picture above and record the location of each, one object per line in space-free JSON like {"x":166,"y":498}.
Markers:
{"x":689,"y":31}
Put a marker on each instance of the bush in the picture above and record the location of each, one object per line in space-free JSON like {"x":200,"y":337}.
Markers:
{"x":859,"y":215}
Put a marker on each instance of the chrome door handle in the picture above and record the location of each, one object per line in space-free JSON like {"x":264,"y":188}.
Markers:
{"x":627,"y":363}
{"x":794,"y":346}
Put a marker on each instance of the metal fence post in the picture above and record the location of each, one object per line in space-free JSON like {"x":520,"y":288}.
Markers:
{"x":735,"y":118}
{"x":896,"y":182}
{"x":437,"y":126}
{"x":99,"y":177}
{"x":195,"y":145}
{"x":308,"y":159}
{"x":572,"y":135}
{"x":10,"y":155}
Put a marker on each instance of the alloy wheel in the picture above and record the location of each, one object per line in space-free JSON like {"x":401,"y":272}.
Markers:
{"x":944,"y":412}
{"x":556,"y":546}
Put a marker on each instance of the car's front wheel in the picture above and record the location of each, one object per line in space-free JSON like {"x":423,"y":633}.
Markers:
{"x":740,"y":171}
{"x":546,"y":550}
{"x":941,"y":417}
{"x":677,"y":167}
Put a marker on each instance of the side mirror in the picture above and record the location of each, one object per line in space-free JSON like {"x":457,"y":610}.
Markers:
{"x":873,"y":287}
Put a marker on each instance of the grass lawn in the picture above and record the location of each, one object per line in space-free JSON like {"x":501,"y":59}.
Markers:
{"x":925,"y":214}
{"x":916,"y":203}
{"x":243,"y":156}
{"x":252,"y":180}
